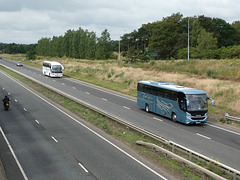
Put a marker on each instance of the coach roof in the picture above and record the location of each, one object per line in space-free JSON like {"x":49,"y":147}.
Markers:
{"x":172,"y":86}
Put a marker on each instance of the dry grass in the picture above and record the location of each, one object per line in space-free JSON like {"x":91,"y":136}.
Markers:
{"x":225,"y":93}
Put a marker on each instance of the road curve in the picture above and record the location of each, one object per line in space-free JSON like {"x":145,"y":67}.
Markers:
{"x":51,"y":144}
{"x":210,"y":140}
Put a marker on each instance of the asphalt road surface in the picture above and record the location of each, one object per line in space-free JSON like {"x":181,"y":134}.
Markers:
{"x":39,"y":140}
{"x":211,"y":140}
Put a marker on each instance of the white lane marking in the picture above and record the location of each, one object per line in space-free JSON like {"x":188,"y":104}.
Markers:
{"x":102,"y":90}
{"x":9,"y":94}
{"x":203,"y":136}
{"x":87,"y":92}
{"x":54,"y":80}
{"x":126,"y":107}
{"x":54,"y":139}
{"x":224,"y":129}
{"x":104,"y":99}
{"x":25,"y":109}
{"x":63,"y":83}
{"x":83,"y":167}
{"x":3,"y":88}
{"x":74,"y":87}
{"x":15,"y":100}
{"x":37,"y":121}
{"x":106,"y":140}
{"x":157,"y":119}
{"x":14,"y":155}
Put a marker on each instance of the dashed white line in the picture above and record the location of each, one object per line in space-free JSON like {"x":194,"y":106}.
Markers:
{"x":126,"y":107}
{"x":203,"y":136}
{"x":55,"y":139}
{"x":106,"y":140}
{"x":224,"y":129}
{"x":104,"y":99}
{"x":9,"y":94}
{"x":157,"y":119}
{"x":24,"y":109}
{"x":63,"y":83}
{"x":74,"y":87}
{"x":115,"y":94}
{"x":83,"y":167}
{"x":37,"y":121}
{"x":15,"y":100}
{"x":87,"y":92}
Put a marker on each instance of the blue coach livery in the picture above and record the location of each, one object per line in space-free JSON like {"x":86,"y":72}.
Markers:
{"x":179,"y":103}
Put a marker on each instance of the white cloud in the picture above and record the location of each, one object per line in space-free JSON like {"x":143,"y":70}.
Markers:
{"x":26,"y":21}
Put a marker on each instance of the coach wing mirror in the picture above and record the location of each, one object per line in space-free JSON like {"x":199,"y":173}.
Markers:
{"x":212,"y":101}
{"x":62,"y":67}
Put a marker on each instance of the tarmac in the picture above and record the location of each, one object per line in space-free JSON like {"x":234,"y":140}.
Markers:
{"x":2,"y":172}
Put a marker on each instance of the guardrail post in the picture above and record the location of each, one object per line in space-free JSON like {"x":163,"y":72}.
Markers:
{"x":190,"y":156}
{"x":173,"y":148}
{"x":234,"y":175}
{"x":226,"y":115}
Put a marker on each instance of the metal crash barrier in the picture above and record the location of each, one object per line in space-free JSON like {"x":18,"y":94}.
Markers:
{"x":232,"y":118}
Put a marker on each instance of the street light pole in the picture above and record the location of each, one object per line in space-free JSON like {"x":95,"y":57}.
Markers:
{"x":119,"y":50}
{"x":188,"y":39}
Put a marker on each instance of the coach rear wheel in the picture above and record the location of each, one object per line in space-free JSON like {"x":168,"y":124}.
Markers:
{"x":147,"y":108}
{"x":174,"y":117}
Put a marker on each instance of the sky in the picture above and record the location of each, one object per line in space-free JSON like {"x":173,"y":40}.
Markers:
{"x":27,"y":21}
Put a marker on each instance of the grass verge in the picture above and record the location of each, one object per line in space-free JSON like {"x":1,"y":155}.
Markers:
{"x":218,"y":78}
{"x":125,"y":135}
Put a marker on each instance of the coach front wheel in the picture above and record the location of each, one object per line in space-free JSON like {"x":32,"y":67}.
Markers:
{"x":174,"y":117}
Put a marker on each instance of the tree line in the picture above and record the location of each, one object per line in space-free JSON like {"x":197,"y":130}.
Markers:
{"x":209,"y":38}
{"x":168,"y":38}
{"x":14,"y":48}
{"x":79,"y":44}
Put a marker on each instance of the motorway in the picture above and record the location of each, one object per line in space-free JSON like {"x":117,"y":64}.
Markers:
{"x":48,"y":143}
{"x":211,"y":140}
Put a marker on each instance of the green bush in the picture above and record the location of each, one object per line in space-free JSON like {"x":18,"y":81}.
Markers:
{"x":211,"y":73}
{"x":222,"y":120}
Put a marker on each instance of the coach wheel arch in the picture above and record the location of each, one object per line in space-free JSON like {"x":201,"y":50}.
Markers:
{"x":147,"y":108}
{"x":174,"y":117}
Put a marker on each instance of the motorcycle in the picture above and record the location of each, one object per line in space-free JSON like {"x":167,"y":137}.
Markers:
{"x":6,"y":105}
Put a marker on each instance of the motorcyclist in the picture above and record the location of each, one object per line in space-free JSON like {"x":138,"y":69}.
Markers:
{"x":5,"y":99}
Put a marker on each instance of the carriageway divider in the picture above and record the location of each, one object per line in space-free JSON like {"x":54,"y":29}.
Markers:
{"x":173,"y":145}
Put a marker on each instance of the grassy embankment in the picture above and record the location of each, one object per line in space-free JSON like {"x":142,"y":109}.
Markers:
{"x":128,"y":136}
{"x":219,"y":78}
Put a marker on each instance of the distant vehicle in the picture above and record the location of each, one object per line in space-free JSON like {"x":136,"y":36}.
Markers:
{"x":183,"y":104}
{"x":0,"y":57}
{"x":19,"y":63}
{"x":52,"y":69}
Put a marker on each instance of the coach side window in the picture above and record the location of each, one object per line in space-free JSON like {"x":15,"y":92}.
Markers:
{"x":141,"y":87}
{"x":182,"y":102}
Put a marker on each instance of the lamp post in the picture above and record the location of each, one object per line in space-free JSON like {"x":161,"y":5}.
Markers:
{"x":119,"y":49}
{"x":188,"y":39}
